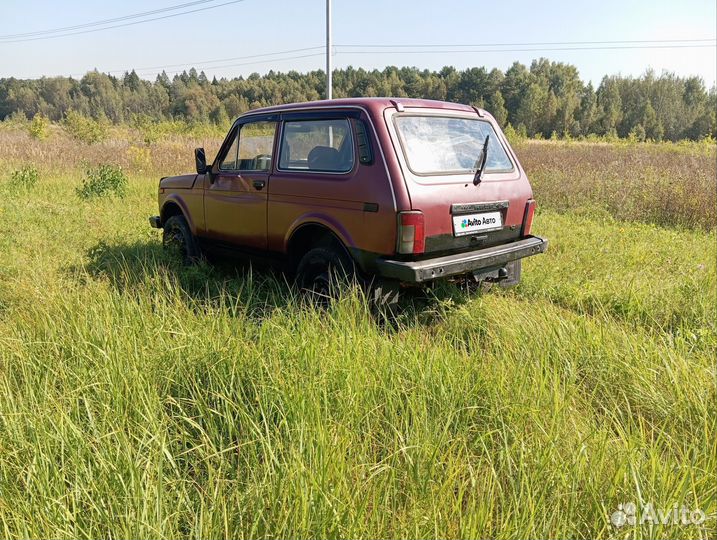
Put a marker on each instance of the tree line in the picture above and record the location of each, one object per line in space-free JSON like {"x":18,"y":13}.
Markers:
{"x":545,"y":99}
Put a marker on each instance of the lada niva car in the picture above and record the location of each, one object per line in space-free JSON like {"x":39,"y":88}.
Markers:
{"x":396,"y":189}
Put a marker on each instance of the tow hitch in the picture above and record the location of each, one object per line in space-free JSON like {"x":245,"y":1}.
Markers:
{"x":507,"y":275}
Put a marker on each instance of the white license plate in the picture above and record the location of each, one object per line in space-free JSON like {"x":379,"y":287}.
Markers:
{"x":472,"y":223}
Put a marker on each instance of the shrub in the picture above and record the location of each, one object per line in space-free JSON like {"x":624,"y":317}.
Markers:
{"x":637,"y":134}
{"x":510,"y":134}
{"x":38,"y":127}
{"x":17,"y":118}
{"x":103,"y":181}
{"x":149,"y":129}
{"x":515,"y":136}
{"x":85,"y":129}
{"x":25,"y":177}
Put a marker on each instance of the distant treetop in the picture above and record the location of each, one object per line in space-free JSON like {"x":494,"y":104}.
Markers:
{"x":545,"y":99}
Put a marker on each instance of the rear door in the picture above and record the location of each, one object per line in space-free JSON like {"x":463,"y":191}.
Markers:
{"x":439,"y":151}
{"x":235,"y":197}
{"x":321,"y":177}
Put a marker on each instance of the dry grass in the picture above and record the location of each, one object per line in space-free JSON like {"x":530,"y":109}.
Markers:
{"x":653,"y":183}
{"x":124,"y":147}
{"x":665,"y":184}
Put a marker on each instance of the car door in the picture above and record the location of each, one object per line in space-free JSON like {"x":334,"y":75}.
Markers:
{"x":235,"y":197}
{"x":315,"y":179}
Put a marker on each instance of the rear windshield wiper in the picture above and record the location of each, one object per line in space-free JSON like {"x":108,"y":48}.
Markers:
{"x":484,"y":156}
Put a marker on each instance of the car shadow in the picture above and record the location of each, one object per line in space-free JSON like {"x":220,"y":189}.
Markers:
{"x":136,"y":266}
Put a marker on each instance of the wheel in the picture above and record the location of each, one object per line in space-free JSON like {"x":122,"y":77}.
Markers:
{"x":178,"y":238}
{"x":322,"y":271}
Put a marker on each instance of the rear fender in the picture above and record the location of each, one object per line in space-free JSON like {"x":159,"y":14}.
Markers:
{"x":319,"y":219}
{"x":330,"y":225}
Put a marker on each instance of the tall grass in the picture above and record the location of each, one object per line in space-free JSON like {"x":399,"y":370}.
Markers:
{"x":669,"y":184}
{"x":141,"y":399}
{"x":159,"y":414}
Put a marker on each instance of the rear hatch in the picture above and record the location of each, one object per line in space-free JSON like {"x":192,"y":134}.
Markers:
{"x":439,"y":151}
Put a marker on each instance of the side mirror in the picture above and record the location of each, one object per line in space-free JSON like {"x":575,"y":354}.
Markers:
{"x":200,"y":159}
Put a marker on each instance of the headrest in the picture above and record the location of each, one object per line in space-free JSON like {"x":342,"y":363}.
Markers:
{"x":323,"y":158}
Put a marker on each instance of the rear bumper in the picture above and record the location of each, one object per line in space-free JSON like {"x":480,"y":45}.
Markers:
{"x":155,"y":221}
{"x":461,"y":263}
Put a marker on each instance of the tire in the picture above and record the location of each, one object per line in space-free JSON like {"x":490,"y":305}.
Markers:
{"x":322,"y":273}
{"x":178,"y":238}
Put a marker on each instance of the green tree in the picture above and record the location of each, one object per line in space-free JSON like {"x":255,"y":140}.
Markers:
{"x":609,"y":106}
{"x":496,"y":106}
{"x":531,"y":109}
{"x":38,"y":128}
{"x":652,"y":126}
{"x":545,"y":99}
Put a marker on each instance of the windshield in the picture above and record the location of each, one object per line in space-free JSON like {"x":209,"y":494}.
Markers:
{"x":441,"y":144}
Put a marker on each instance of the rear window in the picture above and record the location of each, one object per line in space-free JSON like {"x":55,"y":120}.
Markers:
{"x":449,"y":145}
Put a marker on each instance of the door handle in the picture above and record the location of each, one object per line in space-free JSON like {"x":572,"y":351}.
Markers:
{"x":258,"y":184}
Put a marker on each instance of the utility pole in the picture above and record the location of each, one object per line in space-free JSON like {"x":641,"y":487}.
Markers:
{"x":329,"y":69}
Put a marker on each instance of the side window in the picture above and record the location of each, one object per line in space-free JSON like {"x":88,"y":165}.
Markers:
{"x":228,"y":162}
{"x":317,"y":145}
{"x":256,"y":144}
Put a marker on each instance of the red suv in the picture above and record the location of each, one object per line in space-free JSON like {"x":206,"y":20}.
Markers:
{"x":404,"y":190}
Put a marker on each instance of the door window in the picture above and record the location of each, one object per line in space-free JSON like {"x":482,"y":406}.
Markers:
{"x":229,"y":161}
{"x":251,"y":149}
{"x":317,"y":145}
{"x":256,"y":145}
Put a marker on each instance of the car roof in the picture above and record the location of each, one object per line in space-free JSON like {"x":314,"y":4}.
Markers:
{"x":374,"y":104}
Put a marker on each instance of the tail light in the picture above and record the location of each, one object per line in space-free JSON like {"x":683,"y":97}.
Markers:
{"x":528,"y":217}
{"x":411,"y":236}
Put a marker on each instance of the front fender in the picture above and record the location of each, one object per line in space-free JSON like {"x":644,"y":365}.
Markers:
{"x":175,"y":199}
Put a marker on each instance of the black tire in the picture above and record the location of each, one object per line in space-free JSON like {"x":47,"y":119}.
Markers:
{"x":178,"y":238}
{"x":323,"y":271}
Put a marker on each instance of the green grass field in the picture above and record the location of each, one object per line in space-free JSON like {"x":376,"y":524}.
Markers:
{"x":140,"y":399}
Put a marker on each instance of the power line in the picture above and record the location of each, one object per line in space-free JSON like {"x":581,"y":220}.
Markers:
{"x":340,"y":49}
{"x":246,"y":63}
{"x":205,"y":62}
{"x":531,"y":44}
{"x":367,"y":52}
{"x":123,"y":24}
{"x":434,"y":51}
{"x":106,"y":21}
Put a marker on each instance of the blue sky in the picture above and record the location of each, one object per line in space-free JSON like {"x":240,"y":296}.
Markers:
{"x":255,"y":27}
